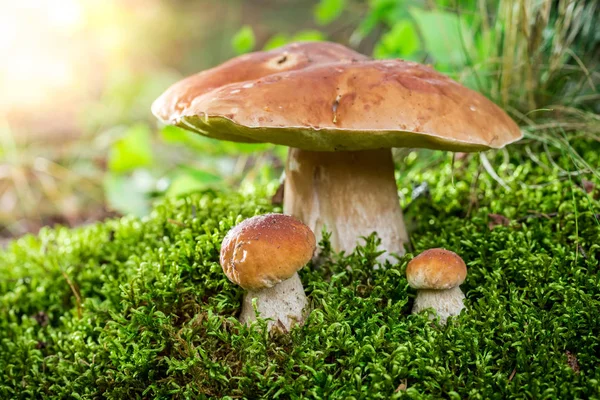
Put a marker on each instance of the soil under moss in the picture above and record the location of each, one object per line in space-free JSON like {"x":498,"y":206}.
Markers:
{"x":136,"y":308}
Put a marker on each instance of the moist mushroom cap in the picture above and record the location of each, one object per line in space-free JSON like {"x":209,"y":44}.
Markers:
{"x":264,"y":250}
{"x":333,"y":105}
{"x":436,"y":269}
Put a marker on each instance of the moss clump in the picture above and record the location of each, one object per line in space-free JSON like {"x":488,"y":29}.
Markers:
{"x":141,"y":309}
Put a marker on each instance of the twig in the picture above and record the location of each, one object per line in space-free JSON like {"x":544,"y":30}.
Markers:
{"x":490,"y":170}
{"x":583,"y":253}
{"x":547,"y":215}
{"x":535,"y":214}
{"x":175,"y":222}
{"x":472,"y":192}
{"x":74,"y":290}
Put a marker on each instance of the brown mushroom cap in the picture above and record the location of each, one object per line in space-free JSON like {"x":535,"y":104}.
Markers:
{"x":341,"y":101}
{"x":264,"y":250}
{"x":436,"y":269}
{"x":177,"y":100}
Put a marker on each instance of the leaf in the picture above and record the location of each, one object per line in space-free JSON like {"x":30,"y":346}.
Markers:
{"x":384,"y":12}
{"x":124,"y":194}
{"x":402,"y":386}
{"x":173,"y":134}
{"x":401,"y":41}
{"x":328,"y":11}
{"x":497,"y":219}
{"x":132,"y":151}
{"x":282,"y":39}
{"x":309,"y":36}
{"x":442,"y":32}
{"x":572,"y":361}
{"x":588,"y":186}
{"x":277,"y":198}
{"x":189,"y":180}
{"x":178,"y":136}
{"x":276,"y":41}
{"x":243,"y":41}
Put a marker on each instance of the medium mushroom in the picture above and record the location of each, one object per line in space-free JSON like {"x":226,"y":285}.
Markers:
{"x":262,"y":255}
{"x":437,"y":274}
{"x":340,"y":113}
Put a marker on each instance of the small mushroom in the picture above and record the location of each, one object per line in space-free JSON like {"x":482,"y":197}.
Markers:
{"x":262,"y":255}
{"x":437,"y":274}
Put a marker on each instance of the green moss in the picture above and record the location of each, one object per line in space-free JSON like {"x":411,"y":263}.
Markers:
{"x":139,"y":308}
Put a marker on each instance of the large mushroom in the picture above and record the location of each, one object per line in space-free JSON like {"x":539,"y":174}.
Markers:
{"x":262,"y":255}
{"x":340,"y":113}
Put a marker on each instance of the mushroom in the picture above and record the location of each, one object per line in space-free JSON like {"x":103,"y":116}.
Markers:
{"x":340,"y":113}
{"x":437,"y":274}
{"x":262,"y":255}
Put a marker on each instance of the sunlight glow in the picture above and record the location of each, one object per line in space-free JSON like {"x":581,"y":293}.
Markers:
{"x":38,"y":59}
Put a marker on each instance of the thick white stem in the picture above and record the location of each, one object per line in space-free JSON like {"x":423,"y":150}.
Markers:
{"x":283,"y":304}
{"x":446,"y":303}
{"x":350,"y":193}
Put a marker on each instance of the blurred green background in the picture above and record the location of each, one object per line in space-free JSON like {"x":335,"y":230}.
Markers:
{"x":78,"y":142}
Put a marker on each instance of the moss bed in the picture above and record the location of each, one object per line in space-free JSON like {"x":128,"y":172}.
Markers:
{"x":139,"y":308}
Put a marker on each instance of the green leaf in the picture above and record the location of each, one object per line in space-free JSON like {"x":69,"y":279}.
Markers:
{"x":309,"y":36}
{"x":243,"y":41}
{"x":282,"y":39}
{"x":442,"y":32}
{"x":401,"y":41}
{"x":328,"y":11}
{"x":133,"y":150}
{"x":381,"y":12}
{"x":208,"y":146}
{"x":189,"y":180}
{"x":276,"y":41}
{"x":126,"y":194}
{"x":173,"y":134}
{"x":389,"y":11}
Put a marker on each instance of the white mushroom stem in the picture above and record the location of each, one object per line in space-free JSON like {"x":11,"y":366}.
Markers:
{"x":350,"y":193}
{"x":283,"y":304}
{"x":446,"y":303}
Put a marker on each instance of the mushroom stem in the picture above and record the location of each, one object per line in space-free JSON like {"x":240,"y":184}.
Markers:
{"x":446,"y":302}
{"x":283,"y":304}
{"x":350,"y":193}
